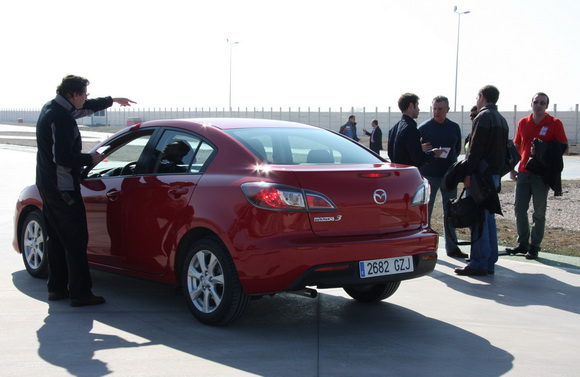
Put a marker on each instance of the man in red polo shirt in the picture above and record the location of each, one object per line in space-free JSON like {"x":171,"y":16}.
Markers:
{"x":539,"y":124}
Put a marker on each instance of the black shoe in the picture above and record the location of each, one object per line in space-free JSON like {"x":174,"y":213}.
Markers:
{"x":468,"y":271}
{"x":533,"y":253}
{"x":490,"y":272}
{"x":86,"y":301}
{"x":521,"y":249}
{"x":457,"y":253}
{"x":57,"y":296}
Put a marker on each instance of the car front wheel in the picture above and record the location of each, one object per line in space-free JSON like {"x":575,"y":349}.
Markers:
{"x":33,"y":245}
{"x":372,"y":293}
{"x":212,"y":289}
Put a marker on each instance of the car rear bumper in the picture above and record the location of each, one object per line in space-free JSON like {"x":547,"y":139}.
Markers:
{"x":333,"y":276}
{"x":332,"y":262}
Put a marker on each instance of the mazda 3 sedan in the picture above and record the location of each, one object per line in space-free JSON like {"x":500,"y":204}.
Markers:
{"x":231,"y":209}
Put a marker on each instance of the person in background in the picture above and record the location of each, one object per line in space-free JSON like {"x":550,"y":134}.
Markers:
{"x":404,"y":143}
{"x":486,"y":157}
{"x":472,"y":115}
{"x":376,"y":137}
{"x":59,"y":164}
{"x":446,"y":134}
{"x":349,"y":128}
{"x":541,"y":125}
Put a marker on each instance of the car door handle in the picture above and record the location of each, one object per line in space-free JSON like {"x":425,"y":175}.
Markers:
{"x":177,"y":192}
{"x":113,"y":195}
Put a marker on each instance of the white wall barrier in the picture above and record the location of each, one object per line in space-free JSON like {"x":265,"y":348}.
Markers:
{"x":327,"y":118}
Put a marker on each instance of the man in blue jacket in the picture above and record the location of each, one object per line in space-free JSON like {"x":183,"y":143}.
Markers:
{"x":349,"y":128}
{"x":445,"y":134}
{"x":58,"y":168}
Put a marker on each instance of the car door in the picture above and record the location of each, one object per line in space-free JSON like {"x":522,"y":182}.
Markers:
{"x":103,"y":192}
{"x":156,"y":204}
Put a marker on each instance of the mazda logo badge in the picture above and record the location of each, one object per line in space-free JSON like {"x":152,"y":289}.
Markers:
{"x":380,"y":196}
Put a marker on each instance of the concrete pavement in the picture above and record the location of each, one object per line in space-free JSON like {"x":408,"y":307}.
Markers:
{"x":523,"y":321}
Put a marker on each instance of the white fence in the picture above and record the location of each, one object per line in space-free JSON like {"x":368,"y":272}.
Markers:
{"x":327,"y":118}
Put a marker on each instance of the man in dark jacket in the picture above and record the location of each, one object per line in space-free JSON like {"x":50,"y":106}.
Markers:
{"x":375,"y":137}
{"x":58,"y":169}
{"x":404,"y":144}
{"x":486,"y":157}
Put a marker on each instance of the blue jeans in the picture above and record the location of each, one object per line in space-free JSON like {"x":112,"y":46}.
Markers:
{"x":531,"y":186}
{"x":484,"y":251}
{"x":435,"y":183}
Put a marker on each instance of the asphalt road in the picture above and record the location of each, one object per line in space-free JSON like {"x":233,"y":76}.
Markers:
{"x":523,"y":321}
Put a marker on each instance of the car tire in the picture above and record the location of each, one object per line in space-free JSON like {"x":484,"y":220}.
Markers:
{"x":210,"y":283}
{"x":372,"y":293}
{"x":33,"y":245}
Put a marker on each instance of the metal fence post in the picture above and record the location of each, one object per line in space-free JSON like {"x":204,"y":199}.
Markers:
{"x":576,"y":138}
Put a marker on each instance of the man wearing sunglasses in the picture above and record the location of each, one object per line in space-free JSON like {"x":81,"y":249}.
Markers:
{"x":541,"y":125}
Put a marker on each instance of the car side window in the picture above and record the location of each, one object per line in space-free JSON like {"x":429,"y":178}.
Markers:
{"x":178,"y":153}
{"x":202,"y":156}
{"x":122,"y":160}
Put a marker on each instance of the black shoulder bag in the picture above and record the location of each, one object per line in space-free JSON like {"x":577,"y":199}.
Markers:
{"x":463,"y":212}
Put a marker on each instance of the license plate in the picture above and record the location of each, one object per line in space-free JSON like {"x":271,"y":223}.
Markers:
{"x":387,"y":266}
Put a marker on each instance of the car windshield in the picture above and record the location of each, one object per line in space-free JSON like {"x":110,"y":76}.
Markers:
{"x":297,"y":146}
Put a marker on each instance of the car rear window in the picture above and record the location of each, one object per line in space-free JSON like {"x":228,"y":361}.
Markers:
{"x":296,"y":146}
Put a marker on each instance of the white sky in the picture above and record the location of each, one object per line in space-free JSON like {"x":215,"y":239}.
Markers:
{"x":298,"y":53}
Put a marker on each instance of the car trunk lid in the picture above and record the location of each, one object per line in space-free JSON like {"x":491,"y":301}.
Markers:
{"x":375,"y":199}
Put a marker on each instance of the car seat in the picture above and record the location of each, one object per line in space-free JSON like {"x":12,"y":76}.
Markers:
{"x":319,"y":156}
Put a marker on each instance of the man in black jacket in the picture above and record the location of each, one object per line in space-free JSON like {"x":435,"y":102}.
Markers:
{"x":404,"y":144}
{"x":375,"y":137}
{"x":486,"y":157}
{"x":58,"y":168}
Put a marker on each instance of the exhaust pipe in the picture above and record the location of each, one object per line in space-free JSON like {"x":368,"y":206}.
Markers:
{"x":306,"y":292}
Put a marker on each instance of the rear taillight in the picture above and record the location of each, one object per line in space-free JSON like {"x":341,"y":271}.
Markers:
{"x":285,"y":198}
{"x":317,"y":202}
{"x":422,"y":194}
{"x":278,"y":198}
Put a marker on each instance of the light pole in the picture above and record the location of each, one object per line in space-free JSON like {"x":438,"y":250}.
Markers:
{"x":457,"y":55}
{"x":231,"y":43}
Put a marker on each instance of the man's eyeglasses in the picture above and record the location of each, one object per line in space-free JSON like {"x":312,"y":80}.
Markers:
{"x":543,"y":103}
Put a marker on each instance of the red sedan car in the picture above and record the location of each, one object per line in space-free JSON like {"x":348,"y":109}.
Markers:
{"x":234,"y":208}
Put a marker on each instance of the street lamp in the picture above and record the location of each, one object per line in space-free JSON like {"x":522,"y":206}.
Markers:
{"x":457,"y":55}
{"x":231,"y":43}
